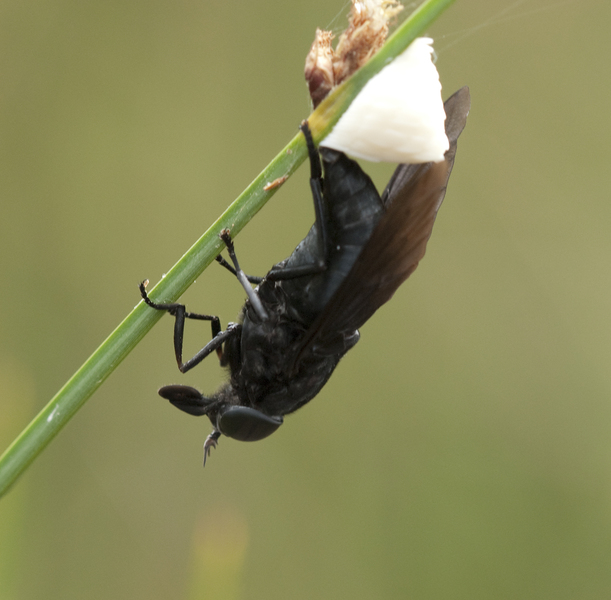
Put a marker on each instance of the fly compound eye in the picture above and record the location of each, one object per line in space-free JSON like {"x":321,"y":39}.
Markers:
{"x":246,"y":424}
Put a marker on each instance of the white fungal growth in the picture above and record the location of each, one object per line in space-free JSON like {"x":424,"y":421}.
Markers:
{"x":398,"y":116}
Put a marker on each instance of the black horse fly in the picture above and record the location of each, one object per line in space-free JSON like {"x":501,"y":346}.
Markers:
{"x":305,"y":313}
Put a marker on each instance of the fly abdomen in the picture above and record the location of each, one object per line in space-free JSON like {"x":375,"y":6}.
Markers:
{"x":351,"y":199}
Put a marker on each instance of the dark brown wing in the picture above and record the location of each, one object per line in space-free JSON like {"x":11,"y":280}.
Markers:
{"x":412,"y":197}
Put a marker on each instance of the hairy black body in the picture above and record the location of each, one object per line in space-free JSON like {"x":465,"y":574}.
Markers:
{"x":305,"y":313}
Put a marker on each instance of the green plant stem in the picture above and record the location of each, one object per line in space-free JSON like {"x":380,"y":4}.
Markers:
{"x":79,"y":388}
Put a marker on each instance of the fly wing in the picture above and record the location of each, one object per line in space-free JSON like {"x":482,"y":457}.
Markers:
{"x":456,"y":109}
{"x":398,"y":243}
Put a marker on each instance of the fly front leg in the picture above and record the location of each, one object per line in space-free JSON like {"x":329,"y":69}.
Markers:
{"x":179,"y":312}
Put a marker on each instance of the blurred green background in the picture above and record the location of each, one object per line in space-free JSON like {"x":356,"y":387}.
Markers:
{"x":461,"y":450}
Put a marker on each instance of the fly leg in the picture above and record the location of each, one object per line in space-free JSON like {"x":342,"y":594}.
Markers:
{"x":179,"y":312}
{"x":320,"y":265}
{"x":242,"y":277}
{"x":251,"y":278}
{"x":316,"y":185}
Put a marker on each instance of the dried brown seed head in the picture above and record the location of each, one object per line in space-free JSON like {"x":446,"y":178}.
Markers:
{"x":365,"y":35}
{"x":319,"y":66}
